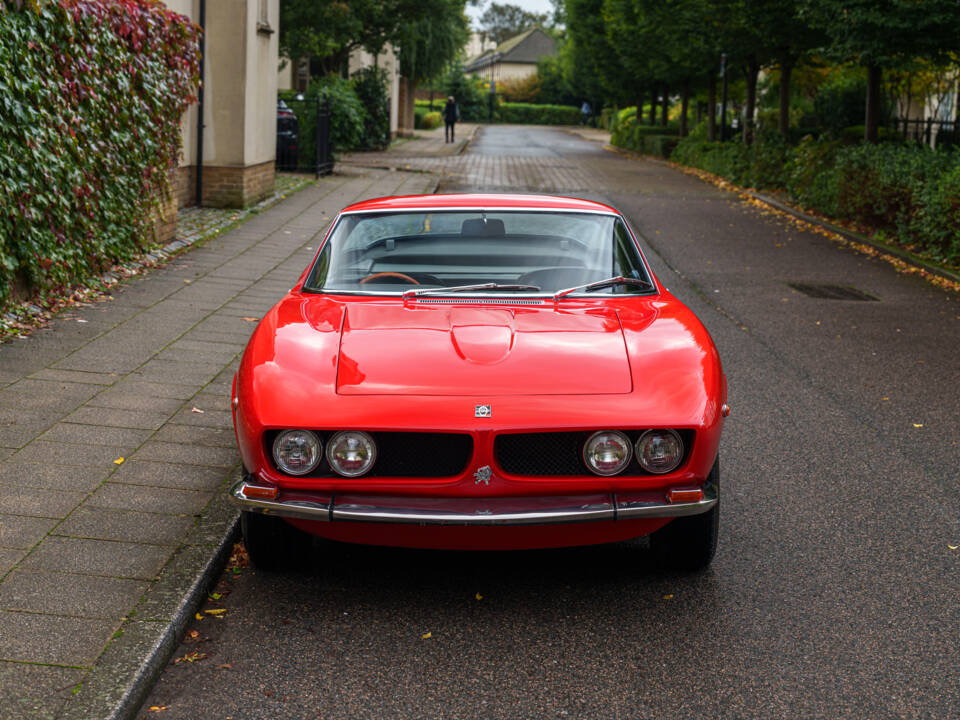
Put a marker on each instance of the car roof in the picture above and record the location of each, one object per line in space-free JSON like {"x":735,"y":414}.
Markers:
{"x":478,"y":201}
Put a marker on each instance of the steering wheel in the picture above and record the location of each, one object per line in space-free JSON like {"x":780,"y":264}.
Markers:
{"x":374,"y":276}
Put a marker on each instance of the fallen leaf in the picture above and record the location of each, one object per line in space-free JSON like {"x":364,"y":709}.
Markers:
{"x":886,"y":398}
{"x":426,"y":636}
{"x":479,"y":596}
{"x":191,"y":657}
{"x":953,"y":547}
{"x":215,"y":596}
{"x":218,"y":611}
{"x":198,"y":616}
{"x":82,"y":321}
{"x":668,"y":597}
{"x":225,"y":666}
{"x":194,"y":634}
{"x":187,"y":282}
{"x":251,"y":319}
{"x":197,"y":410}
{"x":118,"y":461}
{"x":918,"y":425}
{"x":157,"y":708}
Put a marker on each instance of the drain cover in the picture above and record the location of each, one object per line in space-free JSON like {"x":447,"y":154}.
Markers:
{"x":832,"y":292}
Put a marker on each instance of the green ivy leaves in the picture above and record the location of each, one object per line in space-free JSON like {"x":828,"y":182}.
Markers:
{"x":90,"y":104}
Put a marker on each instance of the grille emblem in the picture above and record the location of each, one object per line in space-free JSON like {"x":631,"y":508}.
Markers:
{"x":483,"y":475}
{"x":483,"y":411}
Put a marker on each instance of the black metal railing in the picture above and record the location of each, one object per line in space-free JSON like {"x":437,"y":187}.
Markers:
{"x":303,"y":134}
{"x":935,"y":133}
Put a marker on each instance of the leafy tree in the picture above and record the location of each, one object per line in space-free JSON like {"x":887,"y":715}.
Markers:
{"x":502,"y":21}
{"x":884,"y":34}
{"x":428,"y":45}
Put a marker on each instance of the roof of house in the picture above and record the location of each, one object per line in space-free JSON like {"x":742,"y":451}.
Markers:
{"x":527,"y":47}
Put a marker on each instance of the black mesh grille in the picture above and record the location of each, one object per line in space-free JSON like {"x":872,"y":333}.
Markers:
{"x":559,"y":453}
{"x":421,"y":454}
{"x":406,"y":454}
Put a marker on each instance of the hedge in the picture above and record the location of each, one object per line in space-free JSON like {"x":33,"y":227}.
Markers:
{"x":907,"y":192}
{"x":508,"y":112}
{"x":91,"y":96}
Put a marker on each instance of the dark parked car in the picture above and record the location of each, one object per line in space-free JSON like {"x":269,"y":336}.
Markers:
{"x":288,"y":136}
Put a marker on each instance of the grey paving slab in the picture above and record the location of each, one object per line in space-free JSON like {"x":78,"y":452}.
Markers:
{"x":43,"y":475}
{"x":68,"y":432}
{"x":212,"y":353}
{"x":67,"y":594}
{"x":209,"y":418}
{"x":125,"y":526}
{"x":76,"y":376}
{"x":157,"y":474}
{"x":160,"y":371}
{"x":38,"y":502}
{"x":118,"y":418}
{"x":148,"y":499}
{"x":188,"y":454}
{"x":183,"y":434}
{"x":68,"y":454}
{"x":31,"y":394}
{"x":27,"y":637}
{"x":123,"y":398}
{"x":133,"y":387}
{"x":18,"y":427}
{"x":97,"y":557}
{"x":6,"y":452}
{"x":9,"y":557}
{"x":36,"y":692}
{"x":22,"y":532}
{"x":214,"y":400}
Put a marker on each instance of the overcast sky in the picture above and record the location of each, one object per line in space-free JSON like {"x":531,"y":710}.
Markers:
{"x":537,"y":6}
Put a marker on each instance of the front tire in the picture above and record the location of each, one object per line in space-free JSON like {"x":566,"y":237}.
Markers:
{"x":272,"y":543}
{"x":689,"y":543}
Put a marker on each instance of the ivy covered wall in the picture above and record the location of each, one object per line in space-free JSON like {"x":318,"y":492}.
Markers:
{"x":91,"y":95}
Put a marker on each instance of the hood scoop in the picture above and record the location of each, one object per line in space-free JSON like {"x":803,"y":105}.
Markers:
{"x":397,"y":350}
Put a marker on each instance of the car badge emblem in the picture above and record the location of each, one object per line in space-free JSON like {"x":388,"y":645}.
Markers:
{"x":483,"y":475}
{"x":483,"y":411}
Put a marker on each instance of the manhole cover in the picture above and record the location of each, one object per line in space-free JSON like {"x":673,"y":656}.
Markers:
{"x":832,"y":292}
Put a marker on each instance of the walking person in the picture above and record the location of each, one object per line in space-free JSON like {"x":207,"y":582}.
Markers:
{"x":451,"y":114}
{"x":585,"y":111}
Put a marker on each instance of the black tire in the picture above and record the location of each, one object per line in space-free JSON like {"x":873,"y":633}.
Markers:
{"x":272,"y":543}
{"x":689,"y":543}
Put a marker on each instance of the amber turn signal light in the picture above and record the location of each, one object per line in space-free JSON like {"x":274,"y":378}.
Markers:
{"x":260,"y":492}
{"x":685,"y":496}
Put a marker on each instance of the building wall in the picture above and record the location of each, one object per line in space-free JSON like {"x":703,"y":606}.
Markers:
{"x":513,"y":71}
{"x":240,"y":90}
{"x":388,"y":61}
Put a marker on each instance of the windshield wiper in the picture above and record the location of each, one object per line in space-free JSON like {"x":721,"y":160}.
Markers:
{"x":600,"y":284}
{"x":466,"y":288}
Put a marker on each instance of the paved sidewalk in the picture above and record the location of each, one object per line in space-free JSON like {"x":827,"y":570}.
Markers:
{"x":116,"y":444}
{"x":424,"y":144}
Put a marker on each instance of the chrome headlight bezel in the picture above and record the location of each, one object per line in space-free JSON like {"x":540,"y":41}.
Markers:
{"x":650,"y":436}
{"x":309,"y":438}
{"x":332,"y":448}
{"x":595,"y":439}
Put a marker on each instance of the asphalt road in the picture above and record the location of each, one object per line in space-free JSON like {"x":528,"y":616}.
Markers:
{"x":834,"y":593}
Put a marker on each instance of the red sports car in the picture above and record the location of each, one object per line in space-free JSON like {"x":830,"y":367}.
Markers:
{"x":480,"y":372}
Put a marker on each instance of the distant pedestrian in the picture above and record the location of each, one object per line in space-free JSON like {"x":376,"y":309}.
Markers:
{"x":585,"y":111}
{"x":451,"y":114}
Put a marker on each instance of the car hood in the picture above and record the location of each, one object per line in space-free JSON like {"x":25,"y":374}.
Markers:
{"x":390,"y":349}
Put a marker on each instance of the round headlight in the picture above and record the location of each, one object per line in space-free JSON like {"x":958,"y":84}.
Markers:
{"x":607,"y":452}
{"x":659,"y":451}
{"x":351,"y":453}
{"x":297,"y":452}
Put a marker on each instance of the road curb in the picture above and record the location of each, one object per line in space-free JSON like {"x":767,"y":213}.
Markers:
{"x":128,"y":669}
{"x":857,"y":238}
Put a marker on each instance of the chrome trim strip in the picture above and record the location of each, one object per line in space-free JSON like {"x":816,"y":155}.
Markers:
{"x":476,"y":208}
{"x":475,"y":511}
{"x":653,"y":509}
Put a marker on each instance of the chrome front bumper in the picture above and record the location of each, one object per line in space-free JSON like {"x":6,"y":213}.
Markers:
{"x":467,"y":511}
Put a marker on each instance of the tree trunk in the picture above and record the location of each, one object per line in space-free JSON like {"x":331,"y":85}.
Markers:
{"x":664,"y":108}
{"x":783,"y":117}
{"x":753,"y":69}
{"x":653,"y":105}
{"x":684,"y":106}
{"x":712,"y":106}
{"x":871,"y":121}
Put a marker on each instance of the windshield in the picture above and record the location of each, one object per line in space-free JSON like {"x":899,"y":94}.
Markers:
{"x":530,"y":252}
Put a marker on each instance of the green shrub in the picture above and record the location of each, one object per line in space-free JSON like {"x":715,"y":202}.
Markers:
{"x":531,"y":114}
{"x":91,"y":98}
{"x":432,"y":120}
{"x":936,"y":224}
{"x":370,"y":85}
{"x":347,"y":116}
